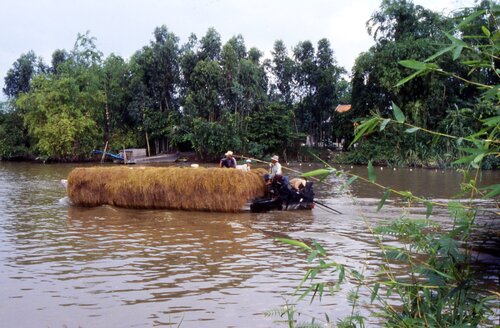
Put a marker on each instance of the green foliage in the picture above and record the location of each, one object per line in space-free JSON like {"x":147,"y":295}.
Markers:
{"x":409,"y":50}
{"x":211,"y":139}
{"x":19,"y":77}
{"x":441,"y":291}
{"x":12,"y":135}
{"x":59,"y":114}
{"x":440,"y":288}
{"x":271,"y":127}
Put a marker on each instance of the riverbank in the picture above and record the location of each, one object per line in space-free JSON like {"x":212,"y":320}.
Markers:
{"x":309,"y":156}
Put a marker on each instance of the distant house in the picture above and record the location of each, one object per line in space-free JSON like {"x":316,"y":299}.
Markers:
{"x":343,"y":108}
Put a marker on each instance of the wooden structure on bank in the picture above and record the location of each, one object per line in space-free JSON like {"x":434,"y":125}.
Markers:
{"x":201,"y":189}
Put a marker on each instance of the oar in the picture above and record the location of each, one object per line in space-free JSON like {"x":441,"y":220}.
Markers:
{"x":326,"y":206}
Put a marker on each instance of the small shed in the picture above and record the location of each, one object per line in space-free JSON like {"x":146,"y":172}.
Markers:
{"x":132,"y":153}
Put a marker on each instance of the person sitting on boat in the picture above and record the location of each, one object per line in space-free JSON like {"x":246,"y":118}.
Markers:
{"x":229,"y":161}
{"x":246,"y":166}
{"x":298,"y":183}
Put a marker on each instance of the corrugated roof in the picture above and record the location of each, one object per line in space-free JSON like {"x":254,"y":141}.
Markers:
{"x":343,"y":108}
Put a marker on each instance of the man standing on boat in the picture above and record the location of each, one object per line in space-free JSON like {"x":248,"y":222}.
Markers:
{"x":275,"y":167}
{"x":229,"y":161}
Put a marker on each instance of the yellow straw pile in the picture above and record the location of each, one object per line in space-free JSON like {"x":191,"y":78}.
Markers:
{"x":201,"y":189}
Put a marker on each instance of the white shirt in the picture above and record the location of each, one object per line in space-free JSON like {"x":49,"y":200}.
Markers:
{"x":275,"y":169}
{"x":243,"y":167}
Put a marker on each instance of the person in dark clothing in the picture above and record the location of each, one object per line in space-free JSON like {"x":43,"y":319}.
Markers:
{"x":229,"y":161}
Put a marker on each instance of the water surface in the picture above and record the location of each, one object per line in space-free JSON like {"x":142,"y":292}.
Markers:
{"x":64,"y":266}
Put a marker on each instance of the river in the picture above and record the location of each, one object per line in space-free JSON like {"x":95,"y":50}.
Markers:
{"x":63,"y":266}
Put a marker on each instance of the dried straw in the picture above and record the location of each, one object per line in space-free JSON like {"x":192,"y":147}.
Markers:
{"x":204,"y":189}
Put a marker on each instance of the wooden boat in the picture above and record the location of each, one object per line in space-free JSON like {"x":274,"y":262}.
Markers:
{"x":286,"y":195}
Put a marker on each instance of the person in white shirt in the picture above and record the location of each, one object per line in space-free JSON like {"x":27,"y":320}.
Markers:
{"x":246,"y":166}
{"x":275,"y":167}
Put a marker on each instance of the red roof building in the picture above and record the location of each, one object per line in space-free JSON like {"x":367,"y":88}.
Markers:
{"x":343,"y":108}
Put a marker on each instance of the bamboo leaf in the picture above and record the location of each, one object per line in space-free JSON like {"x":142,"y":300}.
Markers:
{"x":412,"y":130}
{"x":495,"y":190}
{"x":384,"y":124}
{"x":474,"y":151}
{"x":341,"y":274}
{"x":486,"y":31}
{"x":464,"y":160}
{"x":413,"y":64}
{"x":374,"y":292}
{"x":384,"y":198}
{"x":470,"y":18}
{"x":320,"y":290}
{"x":348,"y":183}
{"x":479,"y":158}
{"x":312,"y":256}
{"x":371,"y":172}
{"x":440,"y":53}
{"x":457,"y":52}
{"x":318,"y":172}
{"x":456,"y":42}
{"x":351,"y":180}
{"x":319,"y":248}
{"x":492,"y":121}
{"x":366,"y":127}
{"x":304,"y":294}
{"x":410,"y":77}
{"x":429,"y":209}
{"x":294,"y":243}
{"x":398,"y":114}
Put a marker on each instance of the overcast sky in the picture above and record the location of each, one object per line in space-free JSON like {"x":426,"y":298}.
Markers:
{"x":125,"y":26}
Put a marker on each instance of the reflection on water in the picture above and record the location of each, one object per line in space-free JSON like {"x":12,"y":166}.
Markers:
{"x":110,"y":267}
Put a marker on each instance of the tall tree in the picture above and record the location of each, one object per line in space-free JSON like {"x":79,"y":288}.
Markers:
{"x":18,"y":77}
{"x":156,"y":72}
{"x":283,"y":69}
{"x":210,"y":45}
{"x":116,"y":76}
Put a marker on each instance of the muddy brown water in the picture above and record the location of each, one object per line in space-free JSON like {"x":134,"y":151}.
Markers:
{"x":63,"y":266}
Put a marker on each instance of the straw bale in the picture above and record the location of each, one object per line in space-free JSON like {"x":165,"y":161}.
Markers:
{"x":205,"y":189}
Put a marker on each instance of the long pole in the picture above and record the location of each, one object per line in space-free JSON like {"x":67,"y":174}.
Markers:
{"x":328,"y":207}
{"x":104,"y":152}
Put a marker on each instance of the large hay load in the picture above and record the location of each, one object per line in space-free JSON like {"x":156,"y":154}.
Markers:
{"x":203,"y":189}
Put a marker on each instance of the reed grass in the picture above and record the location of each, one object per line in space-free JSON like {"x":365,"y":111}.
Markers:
{"x":203,"y":189}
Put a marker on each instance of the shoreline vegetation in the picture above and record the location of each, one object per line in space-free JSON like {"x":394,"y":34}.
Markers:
{"x":207,"y":96}
{"x":314,"y":156}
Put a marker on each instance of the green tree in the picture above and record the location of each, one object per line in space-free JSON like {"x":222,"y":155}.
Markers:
{"x":403,"y":31}
{"x":18,"y":77}
{"x":13,"y":137}
{"x":59,"y":116}
{"x":115,"y":83}
{"x":65,"y":113}
{"x":156,"y":73}
{"x":271,"y":130}
{"x":210,"y":46}
{"x":283,"y":69}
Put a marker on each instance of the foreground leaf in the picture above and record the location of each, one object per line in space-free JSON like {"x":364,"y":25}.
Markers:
{"x":294,"y":243}
{"x":398,"y":114}
{"x":371,"y":172}
{"x":318,"y":172}
{"x":384,"y":198}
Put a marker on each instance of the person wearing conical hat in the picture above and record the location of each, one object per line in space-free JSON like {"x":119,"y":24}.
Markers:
{"x":229,"y":161}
